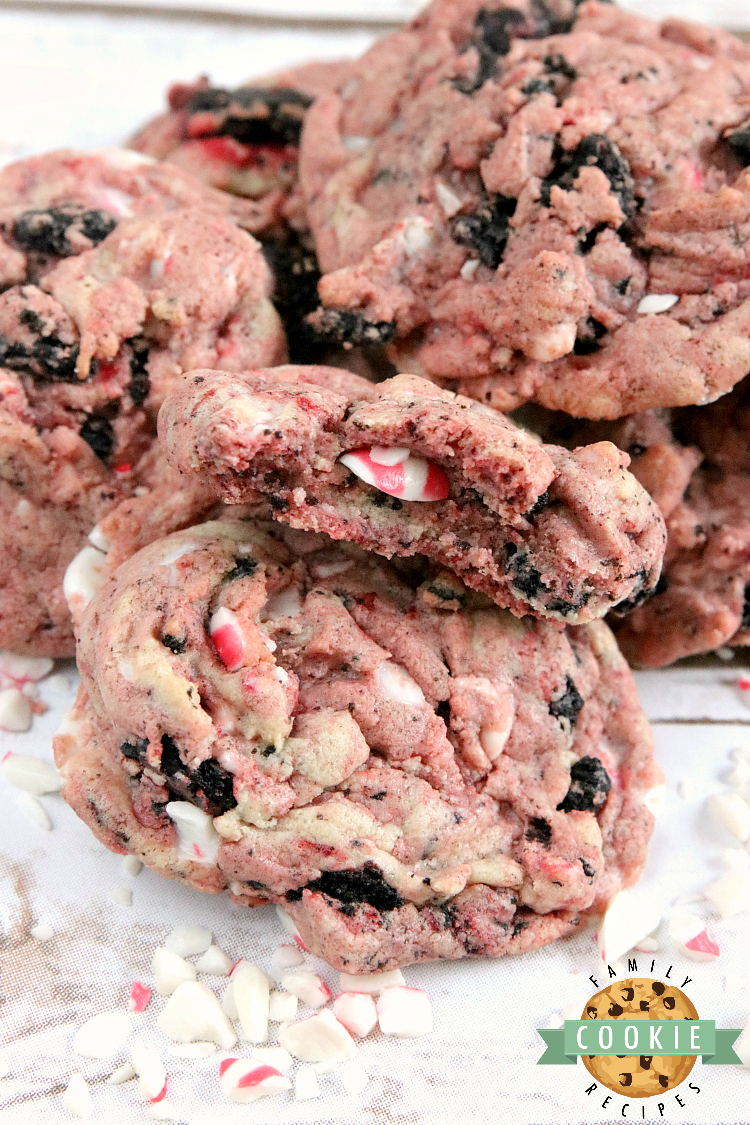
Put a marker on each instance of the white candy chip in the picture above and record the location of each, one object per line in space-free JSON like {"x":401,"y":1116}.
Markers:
{"x":197,"y":1050}
{"x":276,"y":1057}
{"x":103,"y":1036}
{"x":306,"y":1084}
{"x":397,"y":685}
{"x":77,"y":1097}
{"x":33,"y":810}
{"x":123,"y":1073}
{"x":163,"y":1110}
{"x":188,"y":941}
{"x":170,"y":971}
{"x":193,"y":1013}
{"x":405,"y":1012}
{"x":307,"y":987}
{"x":15,"y":710}
{"x":287,"y":957}
{"x":246,"y":1080}
{"x":732,"y":812}
{"x":357,"y":1012}
{"x":131,"y":865}
{"x":84,"y":578}
{"x":630,"y":917}
{"x":370,"y":982}
{"x":730,"y":893}
{"x":215,"y":962}
{"x":657,"y":303}
{"x":33,"y":775}
{"x":123,"y":896}
{"x":228,"y":1005}
{"x":353,"y":1076}
{"x":286,"y":921}
{"x":24,"y":669}
{"x":198,"y":840}
{"x":42,"y":932}
{"x":689,"y":933}
{"x":251,"y":991}
{"x":321,"y":1038}
{"x":282,"y":1007}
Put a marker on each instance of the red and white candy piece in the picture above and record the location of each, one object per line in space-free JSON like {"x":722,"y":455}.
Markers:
{"x":152,"y":1074}
{"x":631,"y":916}
{"x":193,"y":1013}
{"x":287,"y":957}
{"x":228,"y":639}
{"x":398,"y":472}
{"x":197,"y":839}
{"x":319,"y":1039}
{"x":246,"y":1080}
{"x":250,"y":988}
{"x":405,"y":1012}
{"x":307,"y":987}
{"x":357,"y":1012}
{"x":23,"y":669}
{"x":140,"y":997}
{"x":77,"y":1097}
{"x":689,"y":932}
{"x":170,"y":971}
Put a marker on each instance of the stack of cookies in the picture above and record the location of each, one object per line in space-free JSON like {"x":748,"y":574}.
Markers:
{"x":338,"y":417}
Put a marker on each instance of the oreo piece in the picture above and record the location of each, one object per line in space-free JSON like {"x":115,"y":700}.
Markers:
{"x":746,"y":609}
{"x":342,"y":326}
{"x":587,"y":340}
{"x":97,"y":432}
{"x":47,"y":231}
{"x":140,"y":383}
{"x":136,"y":750}
{"x":569,"y":705}
{"x":539,"y":831}
{"x":254,"y":116}
{"x":589,"y":786}
{"x":47,"y":360}
{"x":361,"y":884}
{"x":486,"y":231}
{"x":739,"y":142}
{"x":216,"y":783}
{"x":295,"y":295}
{"x":595,"y":150}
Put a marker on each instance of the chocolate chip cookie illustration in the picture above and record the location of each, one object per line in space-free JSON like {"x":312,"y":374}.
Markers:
{"x":639,"y":998}
{"x":409,"y":770}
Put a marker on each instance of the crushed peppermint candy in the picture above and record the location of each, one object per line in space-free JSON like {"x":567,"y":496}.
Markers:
{"x":689,"y":933}
{"x":630,"y":917}
{"x":33,"y":775}
{"x":170,"y":971}
{"x":282,"y":1006}
{"x":131,"y":865}
{"x":227,"y":637}
{"x":123,"y":1073}
{"x":732,"y":812}
{"x":251,"y":991}
{"x":188,"y":941}
{"x":306,"y":1084}
{"x":274,"y":1056}
{"x":33,"y":810}
{"x":123,"y":896}
{"x":398,"y":472}
{"x":21,"y":670}
{"x":84,"y":578}
{"x":320,"y":1038}
{"x":198,"y":840}
{"x":15,"y":711}
{"x":307,"y":987}
{"x":357,"y":1012}
{"x":246,"y":1080}
{"x":152,"y":1074}
{"x":353,"y":1076}
{"x":103,"y":1036}
{"x":198,"y":1050}
{"x":215,"y":962}
{"x":287,"y":957}
{"x":370,"y":982}
{"x":193,"y":1013}
{"x":140,"y":997}
{"x":405,"y":1012}
{"x":77,"y":1097}
{"x":42,"y":932}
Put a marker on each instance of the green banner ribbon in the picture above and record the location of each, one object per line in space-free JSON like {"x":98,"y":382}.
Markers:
{"x":639,"y":1037}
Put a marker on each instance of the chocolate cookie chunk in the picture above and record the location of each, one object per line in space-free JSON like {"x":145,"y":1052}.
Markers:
{"x":403,"y":468}
{"x":541,"y":202}
{"x":276,"y":714}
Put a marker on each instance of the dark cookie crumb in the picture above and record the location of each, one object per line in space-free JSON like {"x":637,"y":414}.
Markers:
{"x":569,"y":705}
{"x":589,"y":786}
{"x":539,"y":831}
{"x":97,"y":432}
{"x":486,"y":231}
{"x":345,"y":327}
{"x":140,"y":383}
{"x":253,"y":116}
{"x":46,"y":232}
{"x":135,"y":750}
{"x":595,"y":150}
{"x":177,"y":645}
{"x":363,"y":884}
{"x":243,"y":567}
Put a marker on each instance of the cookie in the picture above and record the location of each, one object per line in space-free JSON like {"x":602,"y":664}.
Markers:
{"x":403,"y":468}
{"x":540,"y":202}
{"x":640,"y":998}
{"x":243,"y":140}
{"x":413,"y":776}
{"x":102,"y":310}
{"x":696,"y":465}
